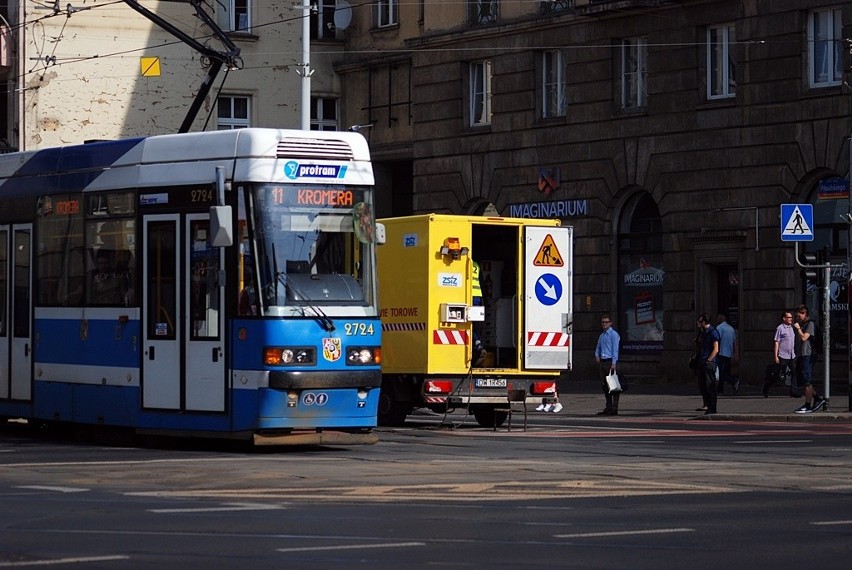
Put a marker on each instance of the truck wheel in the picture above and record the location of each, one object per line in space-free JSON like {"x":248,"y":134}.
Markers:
{"x":392,"y":413}
{"x":487,"y":416}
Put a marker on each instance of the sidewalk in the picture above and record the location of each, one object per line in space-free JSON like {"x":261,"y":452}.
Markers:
{"x":679,"y":401}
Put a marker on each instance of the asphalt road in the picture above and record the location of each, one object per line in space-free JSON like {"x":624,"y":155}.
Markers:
{"x":568,"y":493}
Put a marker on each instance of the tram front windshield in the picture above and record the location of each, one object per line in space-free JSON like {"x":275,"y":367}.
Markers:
{"x":314,"y":246}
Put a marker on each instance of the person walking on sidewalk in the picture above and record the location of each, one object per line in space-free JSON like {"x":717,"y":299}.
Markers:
{"x":707,"y":365}
{"x":728,"y":351}
{"x":784,"y":348}
{"x":805,"y":331}
{"x":606,"y":355}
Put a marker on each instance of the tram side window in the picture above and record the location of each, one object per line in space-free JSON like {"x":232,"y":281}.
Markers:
{"x":60,"y":254}
{"x":111,"y":246}
{"x":3,"y":267}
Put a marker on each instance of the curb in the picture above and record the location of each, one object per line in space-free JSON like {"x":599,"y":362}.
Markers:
{"x":822,"y":418}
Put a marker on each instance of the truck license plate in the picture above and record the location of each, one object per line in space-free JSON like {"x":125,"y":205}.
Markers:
{"x":490,"y":382}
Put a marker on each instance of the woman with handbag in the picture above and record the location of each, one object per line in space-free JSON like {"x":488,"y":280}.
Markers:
{"x":606,"y":355}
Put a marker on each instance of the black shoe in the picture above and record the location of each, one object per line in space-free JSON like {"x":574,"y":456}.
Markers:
{"x":819,"y":405}
{"x":736,"y":386}
{"x":605,"y":412}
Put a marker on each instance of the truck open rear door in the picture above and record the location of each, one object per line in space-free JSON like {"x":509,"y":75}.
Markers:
{"x":548,"y":297}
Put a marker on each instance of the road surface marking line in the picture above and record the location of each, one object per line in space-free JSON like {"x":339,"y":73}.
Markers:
{"x":27,"y":563}
{"x":350,"y":546}
{"x":624,"y":532}
{"x":49,"y":488}
{"x":830,"y":523}
{"x":231,"y":507}
{"x":748,"y":442}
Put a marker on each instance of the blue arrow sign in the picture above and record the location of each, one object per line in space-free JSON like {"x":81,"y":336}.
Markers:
{"x":548,"y":289}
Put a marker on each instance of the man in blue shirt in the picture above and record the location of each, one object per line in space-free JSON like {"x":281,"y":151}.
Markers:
{"x":708,"y":350}
{"x":727,"y":353}
{"x":606,"y":355}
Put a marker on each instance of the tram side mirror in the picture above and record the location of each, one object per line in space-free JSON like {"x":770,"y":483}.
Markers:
{"x":221,"y":229}
{"x":381,"y":235}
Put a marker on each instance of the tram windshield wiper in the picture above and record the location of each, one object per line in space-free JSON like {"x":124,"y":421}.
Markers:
{"x":323,"y":319}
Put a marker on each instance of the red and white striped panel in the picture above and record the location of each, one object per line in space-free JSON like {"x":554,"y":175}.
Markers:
{"x":547,"y":339}
{"x":434,"y":399}
{"x":395,"y":327}
{"x":446,"y":336}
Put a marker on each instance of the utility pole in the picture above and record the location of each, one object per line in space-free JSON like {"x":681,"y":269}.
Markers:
{"x":306,"y":70}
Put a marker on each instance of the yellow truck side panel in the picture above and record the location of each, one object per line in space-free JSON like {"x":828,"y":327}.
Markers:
{"x":415,"y":279}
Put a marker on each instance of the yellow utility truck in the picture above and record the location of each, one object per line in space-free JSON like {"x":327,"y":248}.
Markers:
{"x":473,"y":308}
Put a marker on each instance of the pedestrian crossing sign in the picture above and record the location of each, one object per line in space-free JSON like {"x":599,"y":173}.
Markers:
{"x":797,"y":222}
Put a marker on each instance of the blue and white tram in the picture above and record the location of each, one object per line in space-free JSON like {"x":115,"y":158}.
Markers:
{"x":219,"y":283}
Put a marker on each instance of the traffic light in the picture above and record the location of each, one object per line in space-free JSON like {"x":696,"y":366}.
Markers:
{"x":810,"y":275}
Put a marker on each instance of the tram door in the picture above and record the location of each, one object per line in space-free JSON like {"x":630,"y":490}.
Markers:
{"x":183,"y":360}
{"x":15,"y":312}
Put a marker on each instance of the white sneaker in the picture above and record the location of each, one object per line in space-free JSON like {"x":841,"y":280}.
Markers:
{"x":557,"y":407}
{"x":540,"y":408}
{"x":547,"y":407}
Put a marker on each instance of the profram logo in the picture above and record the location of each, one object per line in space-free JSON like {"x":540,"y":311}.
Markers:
{"x":293,"y":170}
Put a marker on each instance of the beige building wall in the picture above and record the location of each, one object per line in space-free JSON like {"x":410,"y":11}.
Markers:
{"x":80,"y":76}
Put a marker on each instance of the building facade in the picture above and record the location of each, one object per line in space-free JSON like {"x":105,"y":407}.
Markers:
{"x":101,"y":70}
{"x":667,"y":133}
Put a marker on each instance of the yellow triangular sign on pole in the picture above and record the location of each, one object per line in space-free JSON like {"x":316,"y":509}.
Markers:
{"x":548,"y":254}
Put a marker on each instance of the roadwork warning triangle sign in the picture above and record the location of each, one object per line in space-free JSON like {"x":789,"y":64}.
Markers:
{"x":797,"y":225}
{"x":548,"y":254}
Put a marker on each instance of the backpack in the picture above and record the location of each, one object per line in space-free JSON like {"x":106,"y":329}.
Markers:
{"x":817,"y":345}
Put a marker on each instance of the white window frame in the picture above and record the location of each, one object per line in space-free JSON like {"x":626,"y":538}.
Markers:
{"x":387,"y":13}
{"x":229,"y":14}
{"x":634,"y":54}
{"x":721,"y":80}
{"x":480,"y":93}
{"x":825,"y":35}
{"x":554,"y":101}
{"x":318,"y":120}
{"x":230,"y":121}
{"x":324,"y":28}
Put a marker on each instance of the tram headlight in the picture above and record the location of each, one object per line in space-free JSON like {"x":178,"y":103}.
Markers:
{"x":288,"y":356}
{"x":363,"y":355}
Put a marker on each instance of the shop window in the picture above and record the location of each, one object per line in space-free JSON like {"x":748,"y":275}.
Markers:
{"x":640,"y":277}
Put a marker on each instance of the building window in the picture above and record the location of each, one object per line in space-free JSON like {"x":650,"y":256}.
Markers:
{"x":554,"y":101}
{"x":234,"y":15}
{"x":721,"y":80}
{"x":480,"y":93}
{"x":641,"y":277}
{"x":322,"y":20}
{"x":556,"y":5}
{"x":825,"y":39}
{"x":323,"y":114}
{"x":387,"y":13}
{"x":633,"y":73}
{"x":233,"y":112}
{"x":483,"y":11}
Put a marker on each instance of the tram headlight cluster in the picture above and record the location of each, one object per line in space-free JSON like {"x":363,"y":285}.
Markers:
{"x":363,"y":355}
{"x":284,"y":356}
